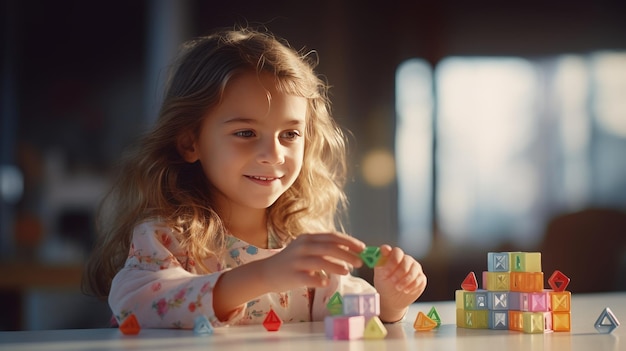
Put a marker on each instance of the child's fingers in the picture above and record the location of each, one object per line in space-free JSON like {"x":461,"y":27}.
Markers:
{"x":335,"y":239}
{"x":395,"y":256}
{"x":348,"y":242}
{"x":410,"y":281}
{"x":385,"y":250}
{"x":392,"y":257}
{"x":332,"y":246}
{"x":401,"y":270}
{"x":321,"y":263}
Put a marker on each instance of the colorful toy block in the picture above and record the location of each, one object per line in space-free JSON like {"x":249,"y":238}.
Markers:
{"x":460,"y":318}
{"x":470,"y":283}
{"x":560,"y":301}
{"x":481,"y":299}
{"x":471,"y":300}
{"x":465,"y":300}
{"x":607,"y":322}
{"x":561,"y":321}
{"x":367,"y":305}
{"x":370,"y":256}
{"x":344,"y":327}
{"x":202,"y":326}
{"x":498,"y":319}
{"x":335,"y":304}
{"x":516,"y":320}
{"x":374,"y":329}
{"x":515,"y":300}
{"x":130,"y":325}
{"x":354,"y":316}
{"x":423,"y":322}
{"x":497,"y":300}
{"x":525,"y":262}
{"x":526,"y":281}
{"x":498,"y":262}
{"x":459,"y":298}
{"x":434,"y":315}
{"x":547,"y":320}
{"x":478,"y":319}
{"x":558,"y":281}
{"x":497,"y":281}
{"x":535,"y":301}
{"x":534,"y":322}
{"x":513,"y":296}
{"x":272,"y":322}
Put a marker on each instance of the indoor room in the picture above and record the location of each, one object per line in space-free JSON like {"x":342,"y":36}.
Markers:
{"x":472,"y":127}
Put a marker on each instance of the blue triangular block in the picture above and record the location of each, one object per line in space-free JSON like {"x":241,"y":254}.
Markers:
{"x":202,"y":326}
{"x":607,"y":322}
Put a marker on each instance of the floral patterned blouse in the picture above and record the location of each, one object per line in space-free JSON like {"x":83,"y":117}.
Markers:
{"x":159,"y":284}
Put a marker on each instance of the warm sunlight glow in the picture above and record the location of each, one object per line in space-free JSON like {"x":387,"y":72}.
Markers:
{"x":610,"y":95}
{"x":378,"y":168}
{"x":485,"y":120}
{"x":414,"y":137}
{"x":514,"y":143}
{"x":572,"y":89}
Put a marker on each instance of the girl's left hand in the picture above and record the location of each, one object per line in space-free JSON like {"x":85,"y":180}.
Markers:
{"x":399,"y":281}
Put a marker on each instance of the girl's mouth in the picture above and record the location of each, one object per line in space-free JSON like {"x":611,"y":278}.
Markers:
{"x":262,"y":180}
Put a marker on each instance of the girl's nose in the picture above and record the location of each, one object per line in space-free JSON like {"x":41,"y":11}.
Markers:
{"x":271,"y":151}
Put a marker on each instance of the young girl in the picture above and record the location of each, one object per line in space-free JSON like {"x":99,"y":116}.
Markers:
{"x":228,"y":206}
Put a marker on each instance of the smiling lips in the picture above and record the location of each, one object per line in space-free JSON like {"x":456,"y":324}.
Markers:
{"x":262,"y":180}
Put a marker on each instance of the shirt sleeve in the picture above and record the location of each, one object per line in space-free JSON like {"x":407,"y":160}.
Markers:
{"x":344,"y":284}
{"x":155,"y":287}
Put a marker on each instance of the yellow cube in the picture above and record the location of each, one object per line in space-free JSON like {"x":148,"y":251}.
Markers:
{"x":497,"y":281}
{"x":526,"y":261}
{"x":460,"y":318}
{"x":533,"y":322}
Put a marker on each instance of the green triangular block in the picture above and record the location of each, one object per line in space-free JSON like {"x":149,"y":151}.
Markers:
{"x":335,"y":304}
{"x":432,"y":314}
{"x":370,"y":256}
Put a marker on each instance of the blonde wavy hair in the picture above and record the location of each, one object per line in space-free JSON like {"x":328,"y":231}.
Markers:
{"x":155,"y":181}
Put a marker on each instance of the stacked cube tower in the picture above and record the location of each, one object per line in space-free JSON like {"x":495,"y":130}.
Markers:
{"x":513,"y":296}
{"x":355,"y":316}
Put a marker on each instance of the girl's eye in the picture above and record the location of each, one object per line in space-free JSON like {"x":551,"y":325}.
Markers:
{"x":245,"y":133}
{"x":290,"y":134}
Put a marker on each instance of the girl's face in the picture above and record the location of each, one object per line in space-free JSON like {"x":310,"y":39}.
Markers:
{"x":251,"y":145}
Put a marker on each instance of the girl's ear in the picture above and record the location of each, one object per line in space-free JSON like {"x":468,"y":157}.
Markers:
{"x":186,"y":146}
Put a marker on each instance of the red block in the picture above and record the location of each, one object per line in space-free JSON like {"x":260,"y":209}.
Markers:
{"x":558,"y":281}
{"x":272,"y":322}
{"x":130,"y":326}
{"x":470,"y":283}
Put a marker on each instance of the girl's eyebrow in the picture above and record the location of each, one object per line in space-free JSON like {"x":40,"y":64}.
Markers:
{"x":295,"y":122}
{"x":239,"y":120}
{"x":291,"y":122}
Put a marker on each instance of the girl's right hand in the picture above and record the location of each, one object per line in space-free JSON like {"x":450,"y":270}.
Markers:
{"x":308,"y":260}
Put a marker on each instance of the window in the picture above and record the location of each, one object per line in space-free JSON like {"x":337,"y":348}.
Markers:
{"x":518,"y":141}
{"x":414,"y":137}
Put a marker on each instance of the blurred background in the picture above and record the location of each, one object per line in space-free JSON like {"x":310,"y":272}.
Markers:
{"x":475,"y":127}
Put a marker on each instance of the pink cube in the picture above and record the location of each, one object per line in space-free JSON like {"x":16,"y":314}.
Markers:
{"x":344,"y":327}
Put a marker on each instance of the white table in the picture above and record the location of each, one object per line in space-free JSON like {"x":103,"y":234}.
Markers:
{"x":310,"y":336}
